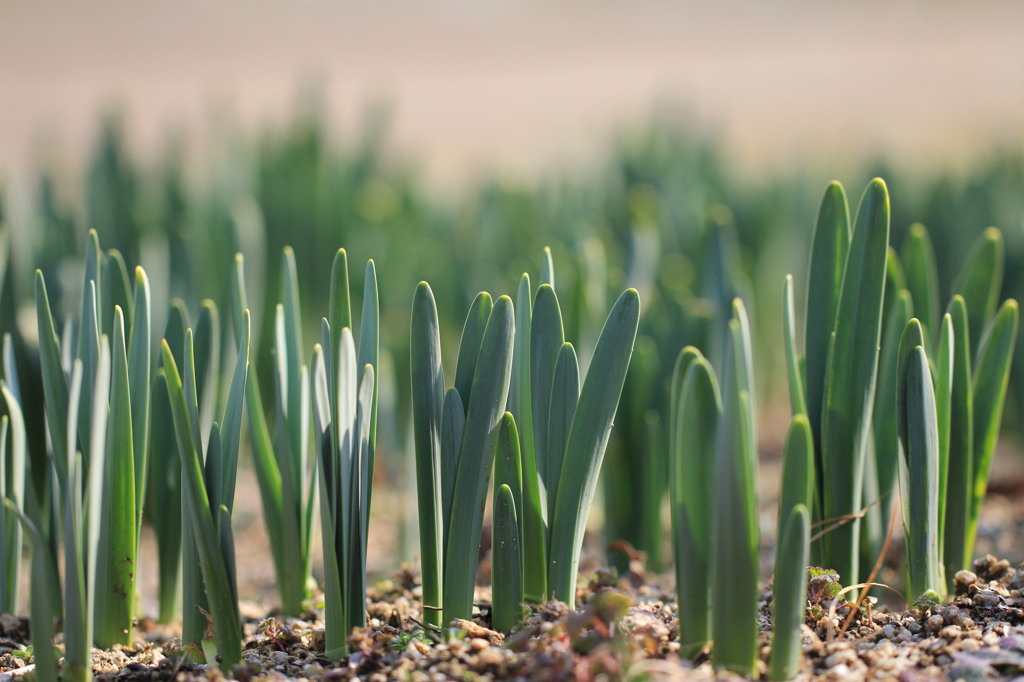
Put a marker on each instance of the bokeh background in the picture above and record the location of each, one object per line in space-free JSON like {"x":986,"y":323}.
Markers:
{"x":680,"y":147}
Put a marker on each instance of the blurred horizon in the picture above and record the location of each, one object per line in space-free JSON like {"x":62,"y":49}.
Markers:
{"x":524,"y":89}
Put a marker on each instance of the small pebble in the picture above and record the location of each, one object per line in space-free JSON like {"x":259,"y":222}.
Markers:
{"x":987,"y":599}
{"x":950,"y":632}
{"x":963,"y":580}
{"x":844,"y":657}
{"x":964,"y":621}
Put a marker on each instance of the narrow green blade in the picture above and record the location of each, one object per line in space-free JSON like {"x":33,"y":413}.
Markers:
{"x":206,"y":338}
{"x":453,"y":427}
{"x":960,"y":468}
{"x":980,"y":280}
{"x":532,"y":516}
{"x":360,"y":509}
{"x":231,"y":421}
{"x":697,"y":407}
{"x":790,"y":596}
{"x":919,"y":475}
{"x":995,"y":355}
{"x":163,"y":499}
{"x":12,"y":487}
{"x":469,"y":347}
{"x":797,"y":392}
{"x":735,"y":558}
{"x":369,"y":356}
{"x":850,"y":381}
{"x":340,"y":315}
{"x":41,"y":606}
{"x":335,"y":614}
{"x":829,"y":249}
{"x":55,"y":386}
{"x":507,"y":570}
{"x":427,"y":402}
{"x":79,"y":532}
{"x":588,"y":438}
{"x":486,"y":405}
{"x":224,"y":609}
{"x":547,"y":268}
{"x":508,"y":466}
{"x":942,"y":368}
{"x":883,"y":423}
{"x":296,"y":424}
{"x":922,"y":278}
{"x":546,"y":339}
{"x":797,"y":469}
{"x":115,"y":290}
{"x":565,"y":393}
{"x":118,"y":552}
{"x":139,"y":368}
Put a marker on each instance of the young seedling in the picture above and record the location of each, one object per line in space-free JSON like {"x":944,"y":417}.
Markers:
{"x":506,"y":553}
{"x":790,"y":593}
{"x":281,"y":456}
{"x":917,"y":421}
{"x":842,"y":329}
{"x":735,"y":549}
{"x":122,"y":416}
{"x":696,"y":408}
{"x":208,"y":476}
{"x":344,"y":399}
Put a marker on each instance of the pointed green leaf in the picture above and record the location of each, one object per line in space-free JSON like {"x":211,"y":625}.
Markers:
{"x":922,"y":278}
{"x":696,"y":409}
{"x":486,"y":405}
{"x":547,"y":268}
{"x":980,"y":281}
{"x":943,"y":386}
{"x":919,"y":474}
{"x":735,"y":558}
{"x":507,"y":564}
{"x":138,"y":375}
{"x":206,"y":338}
{"x":588,"y":438}
{"x":224,"y":609}
{"x":829,"y":249}
{"x":453,"y":426}
{"x":797,"y":469}
{"x":532,"y":517}
{"x":230,"y":432}
{"x":55,"y":386}
{"x":851,"y":375}
{"x":790,"y":595}
{"x":116,"y":290}
{"x":797,"y":396}
{"x":995,"y":355}
{"x":546,"y":339}
{"x":118,"y":552}
{"x":960,"y":468}
{"x":41,"y":599}
{"x":508,"y":464}
{"x":427,"y":401}
{"x":334,"y":611}
{"x":369,"y":355}
{"x":885,"y":433}
{"x":469,"y":347}
{"x":565,"y":393}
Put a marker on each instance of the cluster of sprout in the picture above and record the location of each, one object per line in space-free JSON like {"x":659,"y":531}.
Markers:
{"x":889,"y":400}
